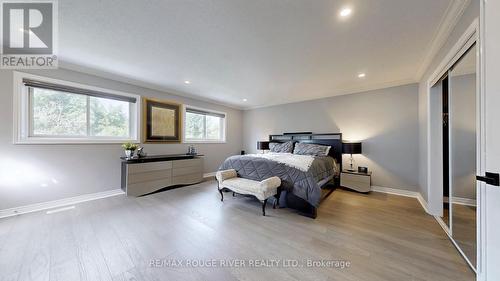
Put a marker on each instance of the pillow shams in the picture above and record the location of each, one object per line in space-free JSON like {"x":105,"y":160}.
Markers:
{"x":311,"y":149}
{"x":286,"y":147}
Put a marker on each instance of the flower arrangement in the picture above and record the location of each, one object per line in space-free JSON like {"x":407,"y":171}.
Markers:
{"x":129,"y":149}
{"x":130,"y":146}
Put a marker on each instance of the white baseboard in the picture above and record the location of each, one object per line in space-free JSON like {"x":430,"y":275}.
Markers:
{"x":422,"y":202}
{"x":67,"y":201}
{"x":402,"y":192}
{"x":464,"y":201}
{"x":443,"y":225}
{"x":395,"y":191}
{"x":58,"y":203}
{"x":461,"y":201}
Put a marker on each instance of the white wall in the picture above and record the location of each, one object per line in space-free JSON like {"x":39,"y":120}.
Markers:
{"x":471,"y":13}
{"x":386,"y":121}
{"x":39,"y":173}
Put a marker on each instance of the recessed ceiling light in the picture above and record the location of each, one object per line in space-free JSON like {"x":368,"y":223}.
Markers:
{"x":361,"y":75}
{"x":187,"y":82}
{"x":345,"y":12}
{"x":245,"y":100}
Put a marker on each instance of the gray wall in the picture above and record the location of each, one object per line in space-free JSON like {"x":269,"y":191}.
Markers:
{"x":39,"y":173}
{"x":386,"y":121}
{"x":471,"y":13}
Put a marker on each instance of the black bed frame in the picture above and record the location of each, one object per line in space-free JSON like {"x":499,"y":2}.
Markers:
{"x":335,"y":141}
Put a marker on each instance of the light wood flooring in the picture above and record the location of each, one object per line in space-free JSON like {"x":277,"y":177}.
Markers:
{"x":384,"y":237}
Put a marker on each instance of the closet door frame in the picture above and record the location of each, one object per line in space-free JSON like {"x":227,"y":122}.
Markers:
{"x":435,"y":198}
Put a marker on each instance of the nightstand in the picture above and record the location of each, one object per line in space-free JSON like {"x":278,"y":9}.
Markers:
{"x":361,"y":182}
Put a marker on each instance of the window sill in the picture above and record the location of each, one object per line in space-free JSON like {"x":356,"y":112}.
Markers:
{"x":204,"y":141}
{"x":72,"y":141}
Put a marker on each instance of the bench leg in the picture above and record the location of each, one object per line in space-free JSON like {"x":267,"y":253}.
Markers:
{"x":221,"y":195}
{"x":277,"y":198}
{"x":264,"y":207}
{"x":220,"y":191}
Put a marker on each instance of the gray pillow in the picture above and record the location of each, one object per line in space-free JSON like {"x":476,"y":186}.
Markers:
{"x":286,"y":147}
{"x":311,"y":149}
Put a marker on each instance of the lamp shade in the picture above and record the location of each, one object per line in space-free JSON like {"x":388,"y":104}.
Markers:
{"x":351,"y":148}
{"x":263,"y":145}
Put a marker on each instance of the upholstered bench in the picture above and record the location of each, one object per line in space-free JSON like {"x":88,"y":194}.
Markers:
{"x":263,"y":190}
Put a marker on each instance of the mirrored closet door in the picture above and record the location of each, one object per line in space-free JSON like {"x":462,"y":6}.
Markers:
{"x":455,"y":94}
{"x":454,"y":97}
{"x":462,"y":122}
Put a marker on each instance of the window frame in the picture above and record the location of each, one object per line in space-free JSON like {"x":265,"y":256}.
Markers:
{"x":208,"y":141}
{"x":22,"y":129}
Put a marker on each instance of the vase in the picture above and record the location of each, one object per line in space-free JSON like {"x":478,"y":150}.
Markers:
{"x":129,"y":154}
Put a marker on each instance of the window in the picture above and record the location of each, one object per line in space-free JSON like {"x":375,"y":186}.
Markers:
{"x":204,"y":126}
{"x":59,"y":112}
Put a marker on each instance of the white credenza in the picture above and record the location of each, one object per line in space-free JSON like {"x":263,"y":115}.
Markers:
{"x":149,"y":174}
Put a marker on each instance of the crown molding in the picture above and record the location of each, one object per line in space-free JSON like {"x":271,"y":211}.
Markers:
{"x":450,"y":19}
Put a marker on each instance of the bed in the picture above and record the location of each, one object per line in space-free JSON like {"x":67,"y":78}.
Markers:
{"x":306,"y":180}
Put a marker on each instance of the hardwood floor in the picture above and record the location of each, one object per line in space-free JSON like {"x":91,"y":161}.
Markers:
{"x":384,"y":237}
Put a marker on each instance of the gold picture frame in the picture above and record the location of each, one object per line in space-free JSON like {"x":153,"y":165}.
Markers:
{"x":162,"y":121}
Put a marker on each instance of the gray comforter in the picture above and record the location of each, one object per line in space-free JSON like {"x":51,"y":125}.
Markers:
{"x":302,"y":184}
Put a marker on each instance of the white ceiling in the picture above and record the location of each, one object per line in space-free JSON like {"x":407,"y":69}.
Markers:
{"x":267,"y":51}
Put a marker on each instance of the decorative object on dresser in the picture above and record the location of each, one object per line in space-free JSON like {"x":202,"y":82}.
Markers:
{"x":141,"y":153}
{"x":129,"y":149}
{"x":262,"y":145}
{"x":262,"y":190}
{"x":145,"y":175}
{"x":192,"y":150}
{"x":162,"y":121}
{"x":361,"y":182}
{"x":351,"y":148}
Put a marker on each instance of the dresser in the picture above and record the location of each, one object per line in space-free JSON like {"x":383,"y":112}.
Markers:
{"x":149,"y":174}
{"x":361,"y":182}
